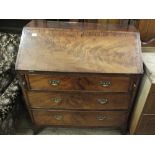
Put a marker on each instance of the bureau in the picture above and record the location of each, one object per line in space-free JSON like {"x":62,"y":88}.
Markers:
{"x":79,"y":75}
{"x":143,"y":117}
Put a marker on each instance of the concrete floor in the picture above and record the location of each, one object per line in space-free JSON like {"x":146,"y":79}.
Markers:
{"x":25,"y":128}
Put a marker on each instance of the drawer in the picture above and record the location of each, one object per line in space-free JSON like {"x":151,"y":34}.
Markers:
{"x":65,"y":100}
{"x":79,"y":118}
{"x":146,"y":125}
{"x":89,"y":83}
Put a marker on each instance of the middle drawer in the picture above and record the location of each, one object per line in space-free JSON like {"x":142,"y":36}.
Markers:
{"x":65,"y":100}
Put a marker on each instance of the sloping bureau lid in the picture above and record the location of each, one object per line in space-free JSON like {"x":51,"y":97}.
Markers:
{"x":75,"y":47}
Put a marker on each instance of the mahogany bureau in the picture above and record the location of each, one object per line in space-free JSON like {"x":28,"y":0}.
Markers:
{"x":79,"y":75}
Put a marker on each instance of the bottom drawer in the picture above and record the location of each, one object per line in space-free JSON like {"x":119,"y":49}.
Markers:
{"x":79,"y":118}
{"x":146,"y":125}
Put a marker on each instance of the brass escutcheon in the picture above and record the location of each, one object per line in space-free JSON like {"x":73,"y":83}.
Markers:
{"x":58,"y":117}
{"x":54,"y":82}
{"x":102,"y":100}
{"x":56,"y":99}
{"x":105,"y":83}
{"x":101,"y":118}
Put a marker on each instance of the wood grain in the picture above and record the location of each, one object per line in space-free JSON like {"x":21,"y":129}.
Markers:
{"x":71,"y":100}
{"x":147,"y":31}
{"x":76,"y":82}
{"x":74,"y":47}
{"x":79,"y":118}
{"x":146,"y":125}
{"x":80,"y":63}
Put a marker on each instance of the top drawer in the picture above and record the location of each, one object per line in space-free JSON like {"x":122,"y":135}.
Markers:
{"x":76,"y":82}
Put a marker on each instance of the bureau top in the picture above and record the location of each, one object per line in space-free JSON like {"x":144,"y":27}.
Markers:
{"x":75,"y":47}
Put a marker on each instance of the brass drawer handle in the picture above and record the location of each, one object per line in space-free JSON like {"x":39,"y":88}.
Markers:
{"x":102,"y":101}
{"x":105,"y":83}
{"x":56,"y":100}
{"x":58,"y":117}
{"x":54,"y":82}
{"x":101,"y":118}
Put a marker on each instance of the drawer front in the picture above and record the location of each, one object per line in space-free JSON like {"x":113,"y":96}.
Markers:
{"x":146,"y":125}
{"x":92,"y":83}
{"x":64,"y":100}
{"x":79,"y":118}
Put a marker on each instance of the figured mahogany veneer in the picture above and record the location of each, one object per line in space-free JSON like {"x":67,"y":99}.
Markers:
{"x":86,"y":48}
{"x":79,"y":118}
{"x":77,"y":82}
{"x":73,"y":100}
{"x":83,"y":75}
